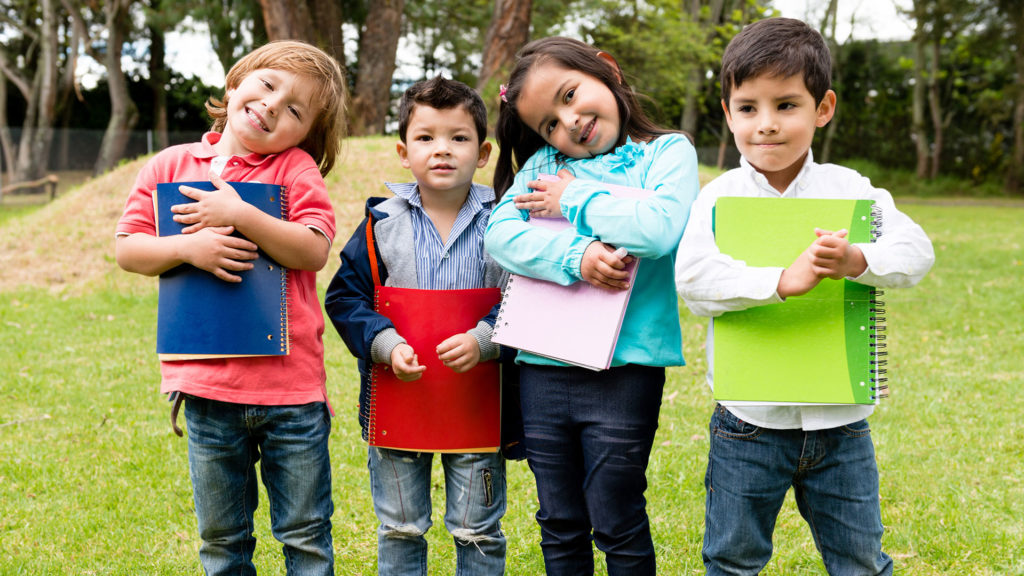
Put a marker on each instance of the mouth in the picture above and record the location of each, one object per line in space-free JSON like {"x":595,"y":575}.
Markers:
{"x":256,"y":119}
{"x":587,"y":131}
{"x":442,"y":168}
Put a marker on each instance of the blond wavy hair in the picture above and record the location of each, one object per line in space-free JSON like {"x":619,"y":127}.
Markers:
{"x":329,"y":98}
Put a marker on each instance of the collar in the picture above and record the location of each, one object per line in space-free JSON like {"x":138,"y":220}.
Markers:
{"x":800,"y":183}
{"x":478,"y":196}
{"x":203,"y":150}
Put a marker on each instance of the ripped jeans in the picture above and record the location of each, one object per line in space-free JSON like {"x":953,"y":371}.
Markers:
{"x":475,"y":502}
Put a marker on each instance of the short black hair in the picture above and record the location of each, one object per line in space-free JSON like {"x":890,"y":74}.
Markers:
{"x":443,"y":94}
{"x":781,"y":47}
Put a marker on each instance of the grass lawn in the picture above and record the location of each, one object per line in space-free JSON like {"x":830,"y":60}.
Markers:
{"x":93,"y":481}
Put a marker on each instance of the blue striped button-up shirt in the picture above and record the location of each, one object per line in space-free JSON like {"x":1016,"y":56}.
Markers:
{"x":459,"y":262}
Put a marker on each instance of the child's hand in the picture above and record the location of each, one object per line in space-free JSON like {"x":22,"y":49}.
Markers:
{"x":219,"y":208}
{"x":833,"y":257}
{"x":545,"y":201}
{"x":403,"y":361}
{"x":799,"y":278}
{"x":601,"y":266}
{"x":460,"y":352}
{"x":216,"y":251}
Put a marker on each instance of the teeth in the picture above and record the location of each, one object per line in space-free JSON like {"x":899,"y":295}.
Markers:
{"x":258,"y":121}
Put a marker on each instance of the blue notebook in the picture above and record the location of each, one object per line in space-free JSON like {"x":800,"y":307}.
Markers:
{"x":201,"y":316}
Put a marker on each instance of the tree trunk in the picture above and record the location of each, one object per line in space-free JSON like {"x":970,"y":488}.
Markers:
{"x":158,"y":77}
{"x":377,"y":47}
{"x":1015,"y":171}
{"x":328,"y":21}
{"x":288,"y":20}
{"x":508,"y":32}
{"x":828,"y":30}
{"x":37,"y":134}
{"x":920,"y":134}
{"x":935,"y":108}
{"x":123,"y":112}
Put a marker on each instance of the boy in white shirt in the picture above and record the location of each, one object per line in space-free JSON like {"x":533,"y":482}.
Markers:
{"x":776,"y":78}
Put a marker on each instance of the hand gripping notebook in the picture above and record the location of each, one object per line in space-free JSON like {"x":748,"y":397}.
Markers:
{"x":442,"y":411}
{"x":823,"y":347}
{"x":201,"y":316}
{"x":577,"y":324}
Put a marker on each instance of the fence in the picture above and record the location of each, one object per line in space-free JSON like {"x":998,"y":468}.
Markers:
{"x":76,"y":149}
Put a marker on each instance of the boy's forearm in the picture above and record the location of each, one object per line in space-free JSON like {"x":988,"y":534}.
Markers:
{"x":292,"y":244}
{"x":146,"y":254}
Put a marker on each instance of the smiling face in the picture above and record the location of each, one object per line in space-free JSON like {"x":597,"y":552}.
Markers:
{"x":773,"y":121}
{"x":442,"y":149}
{"x":572,"y":111}
{"x":268,"y":112}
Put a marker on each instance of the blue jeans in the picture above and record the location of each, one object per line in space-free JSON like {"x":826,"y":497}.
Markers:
{"x":835,"y":481}
{"x":474,"y":504}
{"x":224,"y":443}
{"x":588,"y":440}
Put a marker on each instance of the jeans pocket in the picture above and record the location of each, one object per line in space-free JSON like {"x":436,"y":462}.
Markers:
{"x":726,"y":425}
{"x":857,"y":429}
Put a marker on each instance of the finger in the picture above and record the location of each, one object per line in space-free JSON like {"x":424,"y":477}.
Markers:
{"x":190,"y":192}
{"x":217,"y":181}
{"x":227,"y":276}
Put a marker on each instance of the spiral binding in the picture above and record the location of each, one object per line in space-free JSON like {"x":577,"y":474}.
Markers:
{"x":371,"y":403}
{"x":879,"y":355}
{"x":286,"y":334}
{"x":498,"y":322}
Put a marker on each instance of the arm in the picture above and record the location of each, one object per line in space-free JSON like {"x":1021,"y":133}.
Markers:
{"x":710,"y":282}
{"x":902,"y":255}
{"x":349,"y":304}
{"x":212,"y":249}
{"x":648,"y":227}
{"x":292,"y":244}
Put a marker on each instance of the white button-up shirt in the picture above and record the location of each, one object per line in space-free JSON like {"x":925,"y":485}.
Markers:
{"x":712,"y":283}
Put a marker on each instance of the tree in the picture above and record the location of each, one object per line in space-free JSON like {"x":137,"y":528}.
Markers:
{"x":107,"y":29}
{"x":29,"y":59}
{"x":1014,"y":10}
{"x":507,"y":33}
{"x":377,"y":46}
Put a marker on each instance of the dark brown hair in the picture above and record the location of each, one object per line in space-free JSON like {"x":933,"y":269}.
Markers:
{"x":517,"y":142}
{"x":330,"y":96}
{"x":780,"y":47}
{"x":442,"y":94}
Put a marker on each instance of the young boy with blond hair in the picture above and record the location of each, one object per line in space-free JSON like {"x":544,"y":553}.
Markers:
{"x":281,"y":122}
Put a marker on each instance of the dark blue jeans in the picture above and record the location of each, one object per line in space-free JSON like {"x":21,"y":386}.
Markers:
{"x":588,"y":440}
{"x":835,"y":481}
{"x":224,"y":443}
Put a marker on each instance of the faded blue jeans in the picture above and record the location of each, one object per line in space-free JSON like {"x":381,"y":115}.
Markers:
{"x":835,"y":481}
{"x":474,"y":504}
{"x":588,"y":441}
{"x":225,"y":441}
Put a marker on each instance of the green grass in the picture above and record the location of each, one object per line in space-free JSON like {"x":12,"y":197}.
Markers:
{"x":93,"y":481}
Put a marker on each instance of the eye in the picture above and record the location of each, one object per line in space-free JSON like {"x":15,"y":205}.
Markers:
{"x":267,"y":84}
{"x":550,"y":126}
{"x":461,"y":138}
{"x":424,"y":138}
{"x":295,"y":112}
{"x":745,"y":109}
{"x":569,"y":95}
{"x":787,"y":106}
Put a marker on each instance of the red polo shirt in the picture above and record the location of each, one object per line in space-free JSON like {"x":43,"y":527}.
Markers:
{"x":299,"y":377}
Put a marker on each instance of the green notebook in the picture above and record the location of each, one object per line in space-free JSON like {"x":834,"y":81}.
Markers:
{"x":823,"y":347}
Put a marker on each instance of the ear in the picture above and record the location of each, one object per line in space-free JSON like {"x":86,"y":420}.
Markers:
{"x":611,"y":61}
{"x":485,"y":154}
{"x":728,"y":115}
{"x":403,"y":153}
{"x":826,"y":109}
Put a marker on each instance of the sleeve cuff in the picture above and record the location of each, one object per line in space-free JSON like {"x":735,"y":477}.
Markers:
{"x":383,"y":344}
{"x":488,"y":350}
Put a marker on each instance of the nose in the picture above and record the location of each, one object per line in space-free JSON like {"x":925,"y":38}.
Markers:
{"x":767,"y":124}
{"x":570,"y":119}
{"x":270,"y":102}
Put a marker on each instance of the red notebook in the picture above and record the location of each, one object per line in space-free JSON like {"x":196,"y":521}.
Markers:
{"x":442,"y":411}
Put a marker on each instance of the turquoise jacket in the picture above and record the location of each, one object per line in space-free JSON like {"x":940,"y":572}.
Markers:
{"x":649,"y":228}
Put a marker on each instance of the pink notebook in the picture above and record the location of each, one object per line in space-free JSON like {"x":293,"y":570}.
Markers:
{"x":577,"y":324}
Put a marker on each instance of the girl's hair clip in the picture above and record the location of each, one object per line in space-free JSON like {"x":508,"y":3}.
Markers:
{"x":502,"y":90}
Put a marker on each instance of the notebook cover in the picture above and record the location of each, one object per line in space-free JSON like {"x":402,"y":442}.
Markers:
{"x":816,"y":348}
{"x":200,"y":316}
{"x":442,"y":411}
{"x":577,"y":324}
